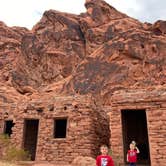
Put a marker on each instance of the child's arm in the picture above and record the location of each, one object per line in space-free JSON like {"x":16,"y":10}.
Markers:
{"x":111,"y":163}
{"x":137,"y":150}
{"x":97,"y":161}
{"x":127,"y":158}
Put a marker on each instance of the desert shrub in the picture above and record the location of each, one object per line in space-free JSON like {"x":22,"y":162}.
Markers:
{"x":9,"y":152}
{"x":4,"y":139}
{"x":15,"y":154}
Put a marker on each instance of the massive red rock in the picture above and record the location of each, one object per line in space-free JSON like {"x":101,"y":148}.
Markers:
{"x":99,"y":51}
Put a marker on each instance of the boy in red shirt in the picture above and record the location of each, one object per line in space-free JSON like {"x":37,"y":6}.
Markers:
{"x":132,"y":154}
{"x":104,"y":159}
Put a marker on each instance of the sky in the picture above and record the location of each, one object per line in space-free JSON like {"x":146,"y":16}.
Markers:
{"x":26,"y":13}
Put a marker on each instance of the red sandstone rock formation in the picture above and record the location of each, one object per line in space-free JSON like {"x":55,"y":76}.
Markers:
{"x":99,"y":51}
{"x":81,"y":161}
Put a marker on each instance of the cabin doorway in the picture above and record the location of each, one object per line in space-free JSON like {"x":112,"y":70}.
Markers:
{"x":30,"y":136}
{"x":134,"y":125}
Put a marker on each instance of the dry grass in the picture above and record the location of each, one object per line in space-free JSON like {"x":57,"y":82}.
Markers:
{"x":3,"y":163}
{"x":7,"y":164}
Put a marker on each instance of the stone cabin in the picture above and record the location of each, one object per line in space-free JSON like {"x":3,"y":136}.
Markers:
{"x":76,"y":126}
{"x":68,"y":126}
{"x":139,"y":115}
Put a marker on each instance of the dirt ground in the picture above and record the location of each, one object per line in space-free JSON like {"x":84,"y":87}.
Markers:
{"x":28,"y":164}
{"x":78,"y":161}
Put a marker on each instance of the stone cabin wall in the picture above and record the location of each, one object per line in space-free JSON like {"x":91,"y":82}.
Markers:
{"x":154,"y":104}
{"x":87,"y":128}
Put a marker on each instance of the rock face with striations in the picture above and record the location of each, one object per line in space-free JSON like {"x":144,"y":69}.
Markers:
{"x":99,"y":51}
{"x":58,"y":67}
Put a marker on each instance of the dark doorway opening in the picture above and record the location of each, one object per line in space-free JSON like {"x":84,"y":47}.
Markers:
{"x":30,"y":136}
{"x":134,"y":125}
{"x":8,"y":127}
{"x":60,"y":126}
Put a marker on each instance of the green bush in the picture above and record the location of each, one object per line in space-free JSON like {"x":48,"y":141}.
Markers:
{"x":15,"y":154}
{"x":11,"y":153}
{"x":4,"y":139}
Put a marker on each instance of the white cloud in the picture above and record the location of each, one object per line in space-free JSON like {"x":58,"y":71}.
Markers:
{"x":143,"y":10}
{"x":28,"y":12}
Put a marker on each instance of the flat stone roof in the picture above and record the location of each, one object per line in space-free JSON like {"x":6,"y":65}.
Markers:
{"x":139,"y":95}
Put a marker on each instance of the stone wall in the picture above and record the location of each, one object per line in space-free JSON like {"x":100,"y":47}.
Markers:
{"x":157,"y":133}
{"x":87,"y":124}
{"x":153,"y":102}
{"x":87,"y":127}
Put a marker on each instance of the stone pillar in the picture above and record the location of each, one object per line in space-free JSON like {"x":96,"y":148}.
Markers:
{"x":156,"y":119}
{"x":116,"y":139}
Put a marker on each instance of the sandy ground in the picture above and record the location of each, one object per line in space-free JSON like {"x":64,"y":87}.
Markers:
{"x":29,"y":164}
{"x":6,"y":164}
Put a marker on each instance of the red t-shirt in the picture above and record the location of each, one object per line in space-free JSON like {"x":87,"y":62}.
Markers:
{"x":104,"y":160}
{"x":132,"y":156}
